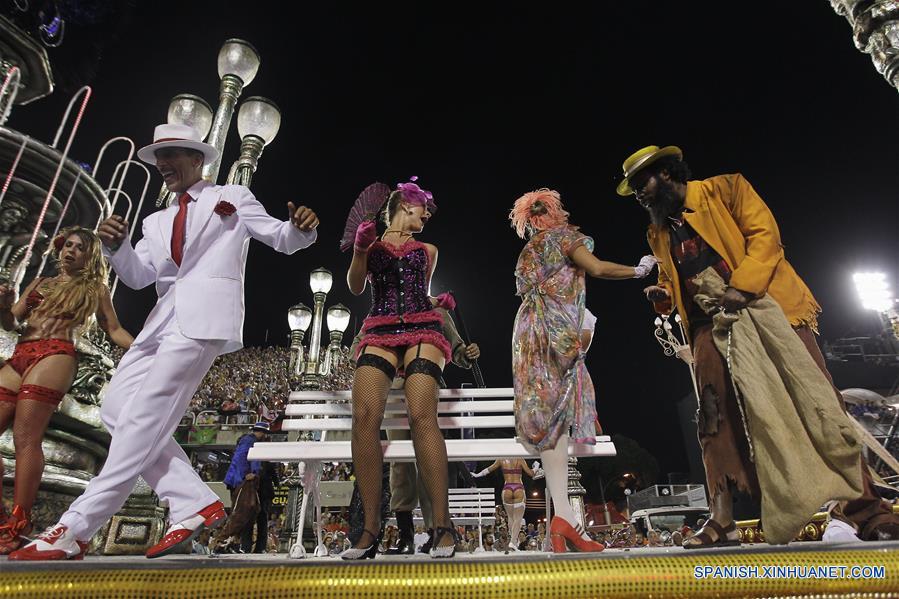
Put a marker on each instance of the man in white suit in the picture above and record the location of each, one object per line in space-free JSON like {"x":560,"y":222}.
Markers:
{"x":195,"y":252}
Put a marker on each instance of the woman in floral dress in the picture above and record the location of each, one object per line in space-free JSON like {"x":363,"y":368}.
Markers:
{"x":554,"y":395}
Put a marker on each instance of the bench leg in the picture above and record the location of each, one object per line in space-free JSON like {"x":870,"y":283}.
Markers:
{"x":547,"y":541}
{"x":297,"y":551}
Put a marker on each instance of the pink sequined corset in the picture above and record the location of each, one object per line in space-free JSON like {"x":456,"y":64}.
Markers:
{"x":399,"y":278}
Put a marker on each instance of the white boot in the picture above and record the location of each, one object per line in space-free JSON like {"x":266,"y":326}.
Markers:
{"x":838,"y":531}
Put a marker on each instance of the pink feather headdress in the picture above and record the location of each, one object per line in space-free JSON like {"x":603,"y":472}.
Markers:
{"x":540,"y":209}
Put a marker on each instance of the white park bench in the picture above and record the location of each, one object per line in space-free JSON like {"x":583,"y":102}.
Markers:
{"x":327,"y":412}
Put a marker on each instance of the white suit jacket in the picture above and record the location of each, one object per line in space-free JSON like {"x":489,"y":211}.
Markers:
{"x":208,"y":287}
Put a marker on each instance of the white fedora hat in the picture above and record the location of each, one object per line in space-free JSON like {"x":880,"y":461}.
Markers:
{"x":177,"y":136}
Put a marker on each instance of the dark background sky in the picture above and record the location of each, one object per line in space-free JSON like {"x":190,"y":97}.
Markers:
{"x":487,"y":102}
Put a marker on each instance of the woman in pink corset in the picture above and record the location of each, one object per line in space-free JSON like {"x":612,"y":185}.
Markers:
{"x":402,"y":330}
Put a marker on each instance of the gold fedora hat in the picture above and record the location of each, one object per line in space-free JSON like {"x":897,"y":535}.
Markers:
{"x":640,"y":160}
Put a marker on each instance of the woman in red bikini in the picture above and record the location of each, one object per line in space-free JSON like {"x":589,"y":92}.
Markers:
{"x":513,"y":491}
{"x":402,"y":330}
{"x":51,"y":313}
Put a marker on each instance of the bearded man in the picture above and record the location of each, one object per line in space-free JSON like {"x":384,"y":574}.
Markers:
{"x":722,"y":224}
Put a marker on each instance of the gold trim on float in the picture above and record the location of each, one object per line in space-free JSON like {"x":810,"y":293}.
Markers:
{"x":624,"y":575}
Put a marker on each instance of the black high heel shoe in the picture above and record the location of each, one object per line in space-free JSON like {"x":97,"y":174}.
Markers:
{"x":356,"y":553}
{"x":446,"y":551}
{"x":406,"y":543}
{"x":405,"y":546}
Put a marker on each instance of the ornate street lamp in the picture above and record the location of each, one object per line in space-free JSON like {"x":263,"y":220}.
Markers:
{"x":238,"y":62}
{"x":258,"y":121}
{"x":320,"y":281}
{"x":338,"y":320}
{"x":298,"y":318}
{"x":258,"y":118}
{"x":191,"y":110}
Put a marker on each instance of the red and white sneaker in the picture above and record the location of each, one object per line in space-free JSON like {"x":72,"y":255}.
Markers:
{"x":178,"y":535}
{"x":55,"y":543}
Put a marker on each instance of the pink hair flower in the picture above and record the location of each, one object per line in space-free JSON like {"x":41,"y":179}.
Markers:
{"x":414,"y":194}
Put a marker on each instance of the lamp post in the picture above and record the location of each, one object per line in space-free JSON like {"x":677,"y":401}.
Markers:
{"x":605,"y":504}
{"x":190,"y":110}
{"x":320,"y":281}
{"x":576,"y":491}
{"x":312,"y":369}
{"x":298,"y":318}
{"x":258,"y":121}
{"x":338,"y":320}
{"x":238,"y":62}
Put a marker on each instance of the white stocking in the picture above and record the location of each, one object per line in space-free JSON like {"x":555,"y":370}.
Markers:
{"x":555,"y":464}
{"x":515,"y":512}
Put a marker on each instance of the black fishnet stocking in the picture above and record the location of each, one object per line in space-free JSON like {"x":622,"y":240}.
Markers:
{"x":430,"y":447}
{"x":370,"y":387}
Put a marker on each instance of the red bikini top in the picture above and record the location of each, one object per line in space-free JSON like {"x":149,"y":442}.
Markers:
{"x":35,"y":299}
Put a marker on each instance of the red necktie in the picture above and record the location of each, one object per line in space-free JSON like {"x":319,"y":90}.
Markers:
{"x":178,"y":228}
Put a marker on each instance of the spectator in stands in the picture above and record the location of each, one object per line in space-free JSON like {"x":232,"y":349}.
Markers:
{"x":268,"y":480}
{"x":391,"y":537}
{"x":522,"y":540}
{"x":241,"y":470}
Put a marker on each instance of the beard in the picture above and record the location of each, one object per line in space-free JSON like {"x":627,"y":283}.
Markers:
{"x":666,"y":203}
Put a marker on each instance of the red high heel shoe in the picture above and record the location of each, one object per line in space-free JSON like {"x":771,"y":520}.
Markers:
{"x":560,"y":531}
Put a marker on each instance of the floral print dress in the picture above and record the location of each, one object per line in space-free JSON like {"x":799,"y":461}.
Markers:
{"x":553,"y":390}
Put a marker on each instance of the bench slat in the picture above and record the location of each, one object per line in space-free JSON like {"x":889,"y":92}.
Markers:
{"x":458,"y":450}
{"x":467,"y":520}
{"x":442,"y":394}
{"x":345,"y":424}
{"x":456,"y":520}
{"x":471,"y":496}
{"x":443,"y":407}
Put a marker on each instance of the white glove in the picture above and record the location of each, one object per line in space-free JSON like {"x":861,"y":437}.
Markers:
{"x":535,"y":465}
{"x":483,"y":472}
{"x":645,"y":266}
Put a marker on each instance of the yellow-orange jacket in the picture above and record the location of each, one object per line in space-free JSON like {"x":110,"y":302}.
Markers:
{"x":731,"y":217}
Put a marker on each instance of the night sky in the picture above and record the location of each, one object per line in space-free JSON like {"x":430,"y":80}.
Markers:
{"x":486,"y":103}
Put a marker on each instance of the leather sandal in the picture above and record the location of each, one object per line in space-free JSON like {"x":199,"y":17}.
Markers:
{"x":725,"y":536}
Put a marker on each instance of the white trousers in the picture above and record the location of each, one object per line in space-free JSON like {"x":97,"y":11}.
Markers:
{"x":143,"y":404}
